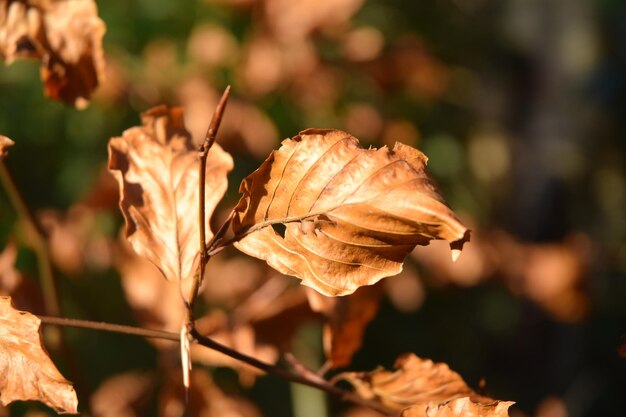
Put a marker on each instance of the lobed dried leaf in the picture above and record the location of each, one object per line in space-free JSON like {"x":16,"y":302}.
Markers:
{"x":460,"y":407}
{"x":156,"y":167}
{"x":27,"y":373}
{"x":351,"y":214}
{"x":66,"y":35}
{"x":422,"y":388}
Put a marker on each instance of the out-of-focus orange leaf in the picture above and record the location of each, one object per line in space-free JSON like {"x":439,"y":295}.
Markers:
{"x":410,"y":66}
{"x":406,"y":291}
{"x":244,"y":128}
{"x":346,"y":320}
{"x":157,"y":167}
{"x":351,"y":214}
{"x":24,"y":291}
{"x":361,"y":412}
{"x":621,"y":350}
{"x":552,"y":275}
{"x":74,"y":241}
{"x":293,"y":20}
{"x":204,"y":399}
{"x":230,"y":281}
{"x":423,"y":388}
{"x":363,"y":44}
{"x":269,"y":63}
{"x":212,"y":45}
{"x":364,"y":120}
{"x":103,"y":193}
{"x":66,"y":35}
{"x":5,"y":143}
{"x":474,"y":266}
{"x":27,"y":373}
{"x":156,"y":302}
{"x":551,"y":406}
{"x":263,"y":326}
{"x":123,"y":395}
{"x":241,"y":337}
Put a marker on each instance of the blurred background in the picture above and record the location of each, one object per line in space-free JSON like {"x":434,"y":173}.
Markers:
{"x":520,"y":106}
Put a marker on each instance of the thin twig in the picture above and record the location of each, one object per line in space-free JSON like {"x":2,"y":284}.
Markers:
{"x":204,"y":149}
{"x":110,"y":327}
{"x":219,"y":235}
{"x":54,"y":336}
{"x":304,"y":379}
{"x":218,"y":246}
{"x":301,"y":368}
{"x":39,"y":243}
{"x":292,"y":377}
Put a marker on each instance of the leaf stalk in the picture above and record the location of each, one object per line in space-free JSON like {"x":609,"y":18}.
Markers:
{"x":203,"y":151}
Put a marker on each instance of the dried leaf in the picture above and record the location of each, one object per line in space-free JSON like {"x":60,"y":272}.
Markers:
{"x":460,"y":407}
{"x":65,"y":34}
{"x":423,"y":388}
{"x":5,"y":143}
{"x":27,"y":371}
{"x":157,"y":167}
{"x":351,"y":214}
{"x":346,"y":320}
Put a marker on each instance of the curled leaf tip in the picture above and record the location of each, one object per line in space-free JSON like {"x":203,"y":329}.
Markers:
{"x":456,"y":247}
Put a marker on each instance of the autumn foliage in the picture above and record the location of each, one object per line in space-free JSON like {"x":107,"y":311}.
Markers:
{"x":324,"y":231}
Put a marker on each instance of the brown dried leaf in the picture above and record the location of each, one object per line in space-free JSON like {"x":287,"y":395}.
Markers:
{"x":66,"y":35}
{"x":5,"y":143}
{"x":460,"y":407}
{"x":27,"y":371}
{"x":423,"y":388}
{"x":346,"y":320}
{"x":157,"y":167}
{"x":351,"y":214}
